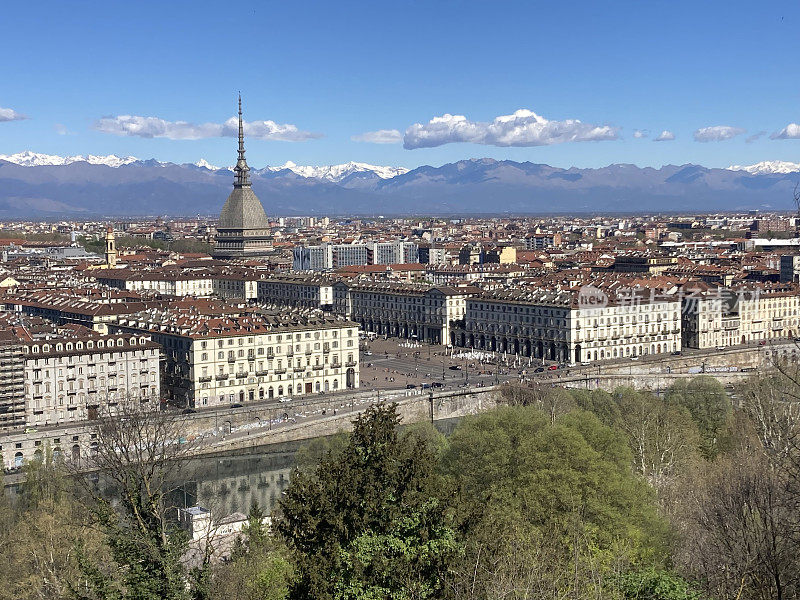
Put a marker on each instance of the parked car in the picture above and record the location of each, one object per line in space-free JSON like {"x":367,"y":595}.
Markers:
{"x":189,"y":411}
{"x":762,"y":343}
{"x":284,"y":399}
{"x":410,"y":386}
{"x":539,"y":370}
{"x":454,"y":368}
{"x":437,"y":384}
{"x":552,"y":368}
{"x":236,"y":405}
{"x":676,"y":353}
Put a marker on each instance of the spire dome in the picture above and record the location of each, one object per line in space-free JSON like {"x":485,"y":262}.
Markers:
{"x":241,"y":177}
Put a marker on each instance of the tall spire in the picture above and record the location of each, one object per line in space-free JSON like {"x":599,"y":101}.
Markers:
{"x":241,"y":170}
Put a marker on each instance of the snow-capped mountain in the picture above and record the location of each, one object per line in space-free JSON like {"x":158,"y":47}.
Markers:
{"x":35,"y":159}
{"x":768,"y":167}
{"x":204,"y":164}
{"x":332,"y":173}
{"x":337,"y":173}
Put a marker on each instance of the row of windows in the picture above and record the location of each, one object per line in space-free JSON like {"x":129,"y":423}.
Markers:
{"x":268,"y":339}
{"x":69,"y":346}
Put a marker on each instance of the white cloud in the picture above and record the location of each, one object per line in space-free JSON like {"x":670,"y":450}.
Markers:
{"x":752,"y":138}
{"x":790,"y":132}
{"x":664,"y":136}
{"x":9,"y":114}
{"x":639,"y":134}
{"x":382,"y":136}
{"x":717,"y":133}
{"x":153,"y":127}
{"x":523,"y":128}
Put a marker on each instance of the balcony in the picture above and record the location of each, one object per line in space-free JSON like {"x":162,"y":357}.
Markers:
{"x":318,"y":367}
{"x":299,"y":369}
{"x":231,"y":359}
{"x":308,"y":352}
{"x":262,"y":372}
{"x":350,"y":363}
{"x":222,"y":376}
{"x":205,"y":379}
{"x":280,"y":371}
{"x":241,"y":374}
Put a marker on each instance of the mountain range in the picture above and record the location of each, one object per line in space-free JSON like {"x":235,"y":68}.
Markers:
{"x":48,"y":186}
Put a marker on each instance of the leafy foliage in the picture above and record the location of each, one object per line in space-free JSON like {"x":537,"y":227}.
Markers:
{"x":370,"y":520}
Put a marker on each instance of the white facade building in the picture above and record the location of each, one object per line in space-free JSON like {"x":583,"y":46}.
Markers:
{"x":214,"y":361}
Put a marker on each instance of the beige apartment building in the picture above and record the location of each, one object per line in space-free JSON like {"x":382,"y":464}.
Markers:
{"x":216,"y":361}
{"x":563,"y":325}
{"x":74,"y":378}
{"x":414,"y":311}
{"x":718,"y":317}
{"x":297,"y":290}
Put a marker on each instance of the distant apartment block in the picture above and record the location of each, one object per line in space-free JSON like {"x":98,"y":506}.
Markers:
{"x":327,"y":257}
{"x":540,"y":241}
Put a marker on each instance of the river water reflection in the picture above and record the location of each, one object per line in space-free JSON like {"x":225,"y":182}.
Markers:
{"x":230,"y":482}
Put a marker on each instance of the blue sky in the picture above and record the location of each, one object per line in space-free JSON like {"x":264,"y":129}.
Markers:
{"x":335,"y":70}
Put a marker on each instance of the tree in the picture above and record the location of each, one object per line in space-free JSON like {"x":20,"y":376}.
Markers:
{"x":662,"y":436}
{"x":312,"y":452}
{"x":655,"y":584}
{"x":708,"y":403}
{"x":369,"y":523}
{"x":552,"y":401}
{"x":546,"y":509}
{"x":41,"y":537}
{"x":139,"y":450}
{"x":599,"y":402}
{"x":740,"y":529}
{"x":259,"y":569}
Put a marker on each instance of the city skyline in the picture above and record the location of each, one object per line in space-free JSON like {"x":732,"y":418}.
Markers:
{"x":420,"y":86}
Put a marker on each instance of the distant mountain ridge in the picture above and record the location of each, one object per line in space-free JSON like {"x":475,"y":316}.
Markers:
{"x":329,"y":172}
{"x":35,"y":185}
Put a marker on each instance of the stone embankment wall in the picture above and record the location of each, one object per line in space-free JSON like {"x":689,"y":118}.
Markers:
{"x":412,"y":409}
